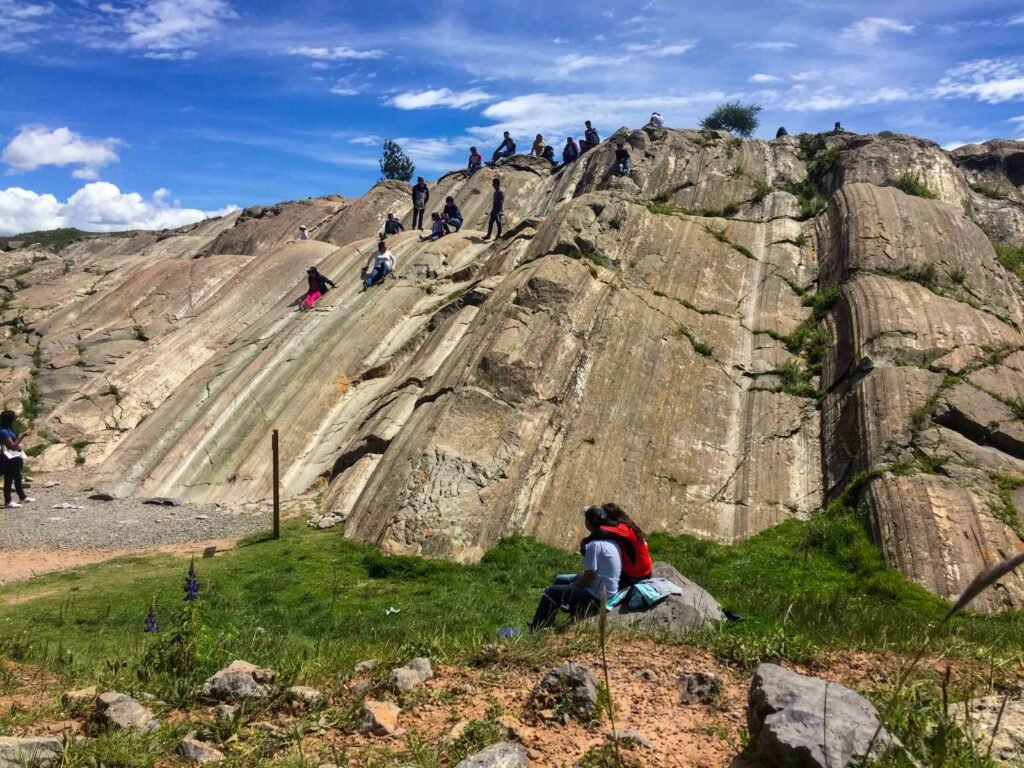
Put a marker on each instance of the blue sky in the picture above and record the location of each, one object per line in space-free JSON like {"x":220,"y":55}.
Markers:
{"x":151,"y":113}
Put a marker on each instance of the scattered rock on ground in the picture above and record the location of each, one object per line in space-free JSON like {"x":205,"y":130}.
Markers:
{"x":982,"y":714}
{"x":379,"y":718}
{"x":505,"y":754}
{"x":305,"y":695}
{"x":365,"y":667}
{"x":225,"y":713}
{"x":199,"y":753}
{"x":801,"y":720}
{"x":122,"y":711}
{"x":676,"y":614}
{"x":101,"y":497}
{"x":76,"y":700}
{"x":412,"y":674}
{"x":698,"y":688}
{"x":239,"y":680}
{"x":33,"y":751}
{"x":163,"y":501}
{"x":569,"y":688}
{"x":629,"y":737}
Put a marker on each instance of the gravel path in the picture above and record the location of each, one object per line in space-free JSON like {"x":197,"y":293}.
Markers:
{"x":122,"y":524}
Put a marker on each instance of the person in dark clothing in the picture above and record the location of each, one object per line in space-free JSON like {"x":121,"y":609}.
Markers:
{"x":317,"y":284}
{"x":12,"y":460}
{"x":781,"y":132}
{"x":838,"y":128}
{"x":632,"y":543}
{"x":392,"y":226}
{"x":420,"y":198}
{"x":590,"y":138}
{"x":570,"y":151}
{"x":451,"y":215}
{"x":549,"y":154}
{"x":497,"y":209}
{"x":507,"y":148}
{"x":622,"y":165}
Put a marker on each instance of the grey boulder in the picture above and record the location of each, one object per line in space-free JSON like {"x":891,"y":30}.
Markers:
{"x":30,"y":751}
{"x":570,"y":688}
{"x":798,"y":721}
{"x":411,"y":675}
{"x":198,"y":753}
{"x":504,"y":754}
{"x":122,"y":711}
{"x":239,"y":680}
{"x":677,"y":614}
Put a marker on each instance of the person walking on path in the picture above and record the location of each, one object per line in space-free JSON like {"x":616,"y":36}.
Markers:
{"x":451,"y":215}
{"x":12,"y":459}
{"x":392,"y":226}
{"x":420,"y":198}
{"x":379,"y":265}
{"x":317,"y":287}
{"x":497,"y":209}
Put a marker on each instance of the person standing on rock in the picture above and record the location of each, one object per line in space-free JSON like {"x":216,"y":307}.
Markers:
{"x":497,"y":209}
{"x":476,"y":162}
{"x":303,"y":234}
{"x":12,"y":460}
{"x":451,"y":215}
{"x":380,"y":264}
{"x":507,"y":148}
{"x":570,"y":151}
{"x":420,"y":198}
{"x":582,"y":593}
{"x":622,"y":165}
{"x":590,"y":138}
{"x":392,"y":226}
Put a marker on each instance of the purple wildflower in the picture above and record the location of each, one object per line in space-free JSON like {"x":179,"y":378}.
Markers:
{"x":191,"y":583}
{"x":151,"y":625}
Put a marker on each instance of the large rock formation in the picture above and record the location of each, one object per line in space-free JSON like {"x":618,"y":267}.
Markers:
{"x":704,"y":341}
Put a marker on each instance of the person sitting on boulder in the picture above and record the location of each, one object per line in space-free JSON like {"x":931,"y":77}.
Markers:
{"x":838,"y":128}
{"x":582,"y":593}
{"x":631,"y":541}
{"x":590,"y":138}
{"x":497,"y":209}
{"x":507,"y":148}
{"x":437,"y":230}
{"x":570,"y":151}
{"x":303,"y":234}
{"x":476,"y":161}
{"x":538,"y":146}
{"x":781,"y":132}
{"x":621,"y":159}
{"x":392,"y":226}
{"x":657,"y":120}
{"x":420,"y":198}
{"x":379,"y":265}
{"x":318,"y":284}
{"x":451,"y":216}
{"x":549,"y":154}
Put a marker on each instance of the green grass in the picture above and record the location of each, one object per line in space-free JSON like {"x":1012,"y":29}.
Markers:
{"x":53,"y":239}
{"x":910,"y":184}
{"x":702,"y":348}
{"x":1011,"y":258}
{"x":990,"y":192}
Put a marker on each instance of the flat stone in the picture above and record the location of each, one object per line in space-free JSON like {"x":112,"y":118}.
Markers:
{"x":31,"y":751}
{"x":630,"y":737}
{"x":80,"y":698}
{"x":698,"y":688}
{"x":571,"y":688}
{"x":982,"y":714}
{"x":122,"y":711}
{"x":505,"y":754}
{"x":365,"y":667}
{"x":197,"y":752}
{"x":411,"y":675}
{"x":239,"y":680}
{"x":101,"y":497}
{"x":163,"y":501}
{"x":306,"y":695}
{"x":379,"y":718}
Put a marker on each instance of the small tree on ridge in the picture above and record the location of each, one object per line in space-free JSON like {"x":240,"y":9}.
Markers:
{"x":394,"y":163}
{"x":738,"y":118}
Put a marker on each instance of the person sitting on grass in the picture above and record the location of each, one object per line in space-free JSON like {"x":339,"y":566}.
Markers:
{"x":437,"y":230}
{"x":451,"y":216}
{"x":379,"y":265}
{"x":621,"y":159}
{"x":12,"y":460}
{"x":581,"y":594}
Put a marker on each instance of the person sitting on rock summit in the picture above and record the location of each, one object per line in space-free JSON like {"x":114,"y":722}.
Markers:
{"x":392,"y":226}
{"x":451,"y":216}
{"x":538,"y":146}
{"x":590,"y":138}
{"x":420,"y":198}
{"x":549,"y":154}
{"x":657,"y":120}
{"x":582,"y":593}
{"x":507,"y":148}
{"x":476,"y":161}
{"x":570,"y":151}
{"x":437,"y":229}
{"x":379,"y":265}
{"x":497,"y":209}
{"x":621,"y":159}
{"x":631,"y":541}
{"x":317,"y":287}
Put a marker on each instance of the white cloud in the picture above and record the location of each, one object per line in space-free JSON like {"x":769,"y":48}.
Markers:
{"x":803,"y":77}
{"x":768,"y":46}
{"x":870,"y":29}
{"x":37,"y":145}
{"x":762,"y":78}
{"x":366,"y":141}
{"x":829,"y":98}
{"x":1019,"y":120}
{"x":339,"y":53}
{"x":989,"y":80}
{"x":164,"y":29}
{"x":659,"y":50}
{"x":1015,"y":21}
{"x":18,"y":23}
{"x":559,"y":40}
{"x":439,"y":97}
{"x":96,"y":207}
{"x":573,"y":62}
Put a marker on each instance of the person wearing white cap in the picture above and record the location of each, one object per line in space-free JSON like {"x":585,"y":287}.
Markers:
{"x":657,"y":120}
{"x":303,"y":234}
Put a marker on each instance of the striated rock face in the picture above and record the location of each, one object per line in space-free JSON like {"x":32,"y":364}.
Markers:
{"x":697,"y":341}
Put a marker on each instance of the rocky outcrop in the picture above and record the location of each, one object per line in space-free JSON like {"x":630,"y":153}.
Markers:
{"x":678,"y":615}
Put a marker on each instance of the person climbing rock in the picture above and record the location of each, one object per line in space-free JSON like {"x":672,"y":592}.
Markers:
{"x":781,"y":132}
{"x":622,"y":164}
{"x":657,"y":120}
{"x":590,"y":138}
{"x":497,"y":209}
{"x":12,"y":460}
{"x":538,"y":146}
{"x":476,"y":161}
{"x":570,"y":151}
{"x":507,"y":148}
{"x":303,"y":234}
{"x":379,"y":265}
{"x":631,"y":541}
{"x":451,"y":216}
{"x":437,"y":230}
{"x":582,"y":593}
{"x":317,"y":287}
{"x":420,"y":198}
{"x":392,"y":226}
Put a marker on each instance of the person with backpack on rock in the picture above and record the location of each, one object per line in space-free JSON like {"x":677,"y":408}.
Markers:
{"x":451,"y":216}
{"x":590,"y":138}
{"x":581,"y":594}
{"x":379,"y":265}
{"x":497,"y":209}
{"x":317,"y":284}
{"x":12,"y":461}
{"x":437,"y":229}
{"x":622,"y":165}
{"x":549,"y":154}
{"x":476,"y":162}
{"x":420,"y":198}
{"x":631,"y":541}
{"x":392,"y":226}
{"x":507,"y":148}
{"x":570,"y":151}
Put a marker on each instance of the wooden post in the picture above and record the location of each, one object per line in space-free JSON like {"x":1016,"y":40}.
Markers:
{"x":277,"y":487}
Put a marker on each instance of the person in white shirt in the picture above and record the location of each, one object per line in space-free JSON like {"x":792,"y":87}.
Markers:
{"x":380,"y":264}
{"x":303,"y":234}
{"x":582,"y":593}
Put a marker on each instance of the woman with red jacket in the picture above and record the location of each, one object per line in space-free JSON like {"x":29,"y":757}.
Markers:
{"x":632,"y":543}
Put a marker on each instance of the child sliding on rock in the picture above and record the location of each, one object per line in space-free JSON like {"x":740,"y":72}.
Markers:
{"x":318,"y":284}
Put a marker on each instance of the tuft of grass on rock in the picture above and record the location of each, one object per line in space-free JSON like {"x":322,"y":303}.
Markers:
{"x":910,"y":183}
